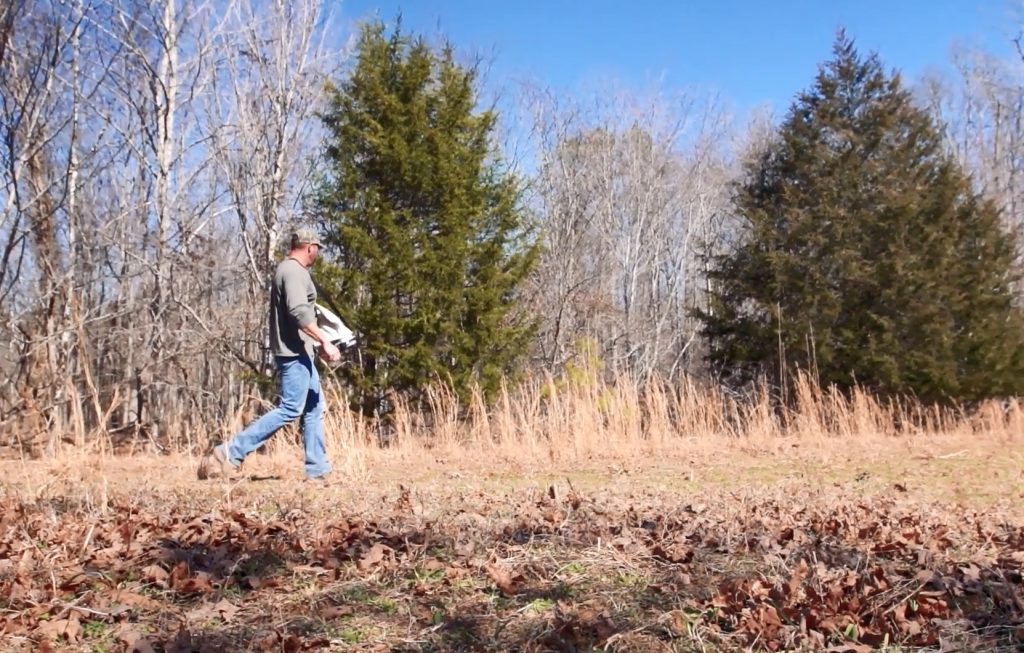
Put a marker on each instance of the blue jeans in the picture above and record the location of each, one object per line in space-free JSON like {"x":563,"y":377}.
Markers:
{"x":300,"y":395}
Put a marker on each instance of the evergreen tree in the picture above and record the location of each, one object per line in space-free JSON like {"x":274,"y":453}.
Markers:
{"x":426,"y":232}
{"x":863,"y":257}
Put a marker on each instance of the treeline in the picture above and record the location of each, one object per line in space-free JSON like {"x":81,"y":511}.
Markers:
{"x":155,"y":153}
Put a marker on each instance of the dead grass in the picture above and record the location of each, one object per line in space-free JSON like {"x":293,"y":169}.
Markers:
{"x":969,"y":470}
{"x":600,"y":435}
{"x":558,"y":421}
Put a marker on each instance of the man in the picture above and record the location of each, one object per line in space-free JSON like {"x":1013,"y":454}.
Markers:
{"x":293,"y":335}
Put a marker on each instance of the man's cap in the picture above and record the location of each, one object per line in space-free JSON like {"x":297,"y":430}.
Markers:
{"x":305,"y":236}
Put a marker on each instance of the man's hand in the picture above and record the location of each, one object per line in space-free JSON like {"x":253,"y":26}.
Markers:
{"x":329,"y":352}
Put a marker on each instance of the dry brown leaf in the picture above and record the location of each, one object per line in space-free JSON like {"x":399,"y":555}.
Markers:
{"x":911,"y":628}
{"x":291,"y":644}
{"x":403,"y":504}
{"x":135,"y":600}
{"x":554,"y":516}
{"x":259,"y":582}
{"x":502,"y":579}
{"x":267,"y":642}
{"x":155,"y":574}
{"x":372,"y":557}
{"x":135,"y":642}
{"x":178,"y":573}
{"x":434,"y":565}
{"x":971,"y":572}
{"x":336,"y":611}
{"x":673,"y":552}
{"x":799,"y":574}
{"x":194,"y":585}
{"x":222,"y":610}
{"x":57,"y":628}
{"x":678,"y":623}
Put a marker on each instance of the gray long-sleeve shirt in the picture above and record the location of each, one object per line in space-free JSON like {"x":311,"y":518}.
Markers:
{"x":292,"y":298}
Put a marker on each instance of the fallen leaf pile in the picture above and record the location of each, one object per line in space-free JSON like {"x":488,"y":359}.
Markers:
{"x":526,"y":571}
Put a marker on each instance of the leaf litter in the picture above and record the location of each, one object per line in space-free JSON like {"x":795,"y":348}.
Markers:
{"x":524,"y":570}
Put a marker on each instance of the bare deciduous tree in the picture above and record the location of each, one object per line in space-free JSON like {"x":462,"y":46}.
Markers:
{"x":262,"y":122}
{"x":151,"y":152}
{"x":982,"y":109}
{"x":626,"y":195}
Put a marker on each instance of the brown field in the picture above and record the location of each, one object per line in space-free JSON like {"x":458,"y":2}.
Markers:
{"x":565,"y":519}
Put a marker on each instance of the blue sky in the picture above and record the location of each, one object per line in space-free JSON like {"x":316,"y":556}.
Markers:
{"x":753,"y":53}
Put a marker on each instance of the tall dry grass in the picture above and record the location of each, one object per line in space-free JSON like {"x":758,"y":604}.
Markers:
{"x":560,"y":421}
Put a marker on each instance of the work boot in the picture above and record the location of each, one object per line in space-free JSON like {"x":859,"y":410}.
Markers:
{"x":215,"y":464}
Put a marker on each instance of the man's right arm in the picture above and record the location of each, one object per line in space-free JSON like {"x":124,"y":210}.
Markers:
{"x":299,"y":307}
{"x":327,"y":348}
